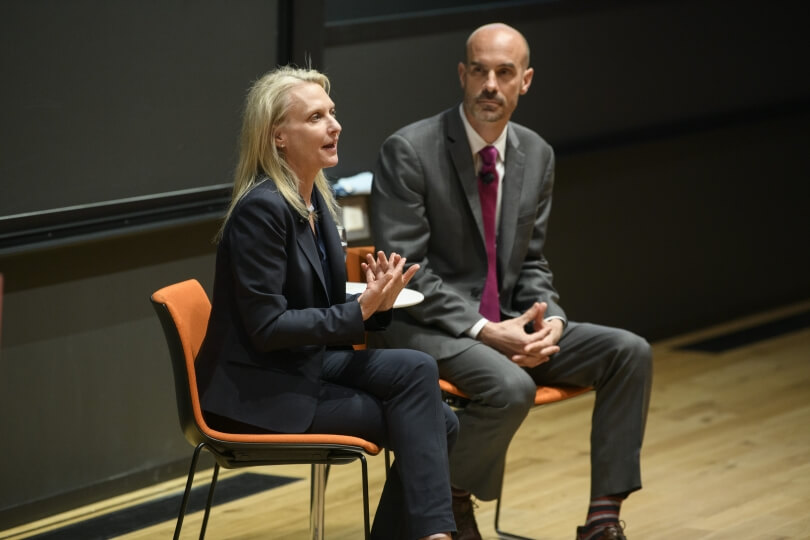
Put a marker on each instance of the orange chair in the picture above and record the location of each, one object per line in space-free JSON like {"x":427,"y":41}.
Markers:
{"x":183,"y":310}
{"x":354,"y":256}
{"x":354,"y":272}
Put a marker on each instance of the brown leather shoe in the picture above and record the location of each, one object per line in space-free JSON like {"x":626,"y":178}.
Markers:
{"x":611,"y":532}
{"x":465,"y":518}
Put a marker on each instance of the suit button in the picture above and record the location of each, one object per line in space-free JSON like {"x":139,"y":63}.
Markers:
{"x":475,"y":293}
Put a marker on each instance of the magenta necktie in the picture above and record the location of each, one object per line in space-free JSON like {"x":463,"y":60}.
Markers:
{"x":488,"y":194}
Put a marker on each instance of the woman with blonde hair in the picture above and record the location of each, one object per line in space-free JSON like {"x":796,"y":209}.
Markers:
{"x":277,"y":355}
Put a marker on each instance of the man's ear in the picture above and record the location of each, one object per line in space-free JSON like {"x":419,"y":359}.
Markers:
{"x":462,"y":69}
{"x":527,"y":80}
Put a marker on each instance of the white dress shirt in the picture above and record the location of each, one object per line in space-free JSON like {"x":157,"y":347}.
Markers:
{"x":476,"y":144}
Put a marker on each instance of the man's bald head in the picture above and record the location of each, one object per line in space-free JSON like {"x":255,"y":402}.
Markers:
{"x":493,"y":76}
{"x":498,"y":33}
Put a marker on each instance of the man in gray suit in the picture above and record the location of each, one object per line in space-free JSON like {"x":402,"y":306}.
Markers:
{"x":466,"y":194}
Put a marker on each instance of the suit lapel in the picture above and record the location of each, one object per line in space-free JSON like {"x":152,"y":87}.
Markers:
{"x":334,"y":254}
{"x":306,"y":241}
{"x":461,"y":155}
{"x":512,"y":185}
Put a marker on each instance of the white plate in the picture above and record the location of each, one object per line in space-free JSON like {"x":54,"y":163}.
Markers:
{"x":407,"y":297}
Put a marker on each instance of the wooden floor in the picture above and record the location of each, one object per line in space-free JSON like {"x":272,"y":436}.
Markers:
{"x":726,"y":456}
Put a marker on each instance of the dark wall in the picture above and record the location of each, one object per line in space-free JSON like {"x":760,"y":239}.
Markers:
{"x":604,"y":73}
{"x":681,"y":192}
{"x":85,"y":380}
{"x":100,"y":101}
{"x":103,"y":101}
{"x":676,"y":234}
{"x":681,"y":200}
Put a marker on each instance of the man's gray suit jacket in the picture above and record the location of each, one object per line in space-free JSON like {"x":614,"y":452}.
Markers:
{"x":425,"y":206}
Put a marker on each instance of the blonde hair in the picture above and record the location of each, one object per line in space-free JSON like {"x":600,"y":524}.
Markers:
{"x":266,"y":108}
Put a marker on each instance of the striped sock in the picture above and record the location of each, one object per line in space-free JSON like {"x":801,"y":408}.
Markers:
{"x":602,"y":512}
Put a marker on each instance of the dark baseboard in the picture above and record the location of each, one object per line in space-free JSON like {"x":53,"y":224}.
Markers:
{"x":39,"y":509}
{"x":750,"y":335}
{"x":163,"y":509}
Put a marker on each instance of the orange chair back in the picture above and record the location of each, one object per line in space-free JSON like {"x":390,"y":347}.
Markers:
{"x":190,"y":309}
{"x":184,"y":316}
{"x":354,"y":256}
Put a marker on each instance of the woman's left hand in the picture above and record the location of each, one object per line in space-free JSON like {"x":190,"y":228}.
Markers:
{"x":387,"y":276}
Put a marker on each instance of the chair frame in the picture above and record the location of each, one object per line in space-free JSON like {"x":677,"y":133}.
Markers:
{"x":235,"y":450}
{"x":452,"y":395}
{"x":457,"y":399}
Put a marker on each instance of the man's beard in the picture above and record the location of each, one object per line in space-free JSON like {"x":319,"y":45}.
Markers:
{"x":483,"y":115}
{"x":480,"y":112}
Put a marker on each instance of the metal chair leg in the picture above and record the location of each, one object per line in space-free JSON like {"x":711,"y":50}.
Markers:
{"x":189,"y":482}
{"x":317,"y":496}
{"x":319,"y":477}
{"x":366,"y":520}
{"x":209,"y":500}
{"x":502,"y":534}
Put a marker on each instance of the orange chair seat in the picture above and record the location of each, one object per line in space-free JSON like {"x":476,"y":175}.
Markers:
{"x":296,"y":439}
{"x":544,"y":395}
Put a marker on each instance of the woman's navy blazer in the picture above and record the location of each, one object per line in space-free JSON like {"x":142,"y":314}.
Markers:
{"x":274,"y":314}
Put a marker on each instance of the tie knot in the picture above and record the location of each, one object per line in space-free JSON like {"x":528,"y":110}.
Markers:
{"x":488,"y":156}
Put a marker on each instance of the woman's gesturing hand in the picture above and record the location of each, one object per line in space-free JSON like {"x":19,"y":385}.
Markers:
{"x":385,"y":279}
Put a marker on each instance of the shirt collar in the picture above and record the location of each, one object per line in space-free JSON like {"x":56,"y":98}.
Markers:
{"x":475,"y":140}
